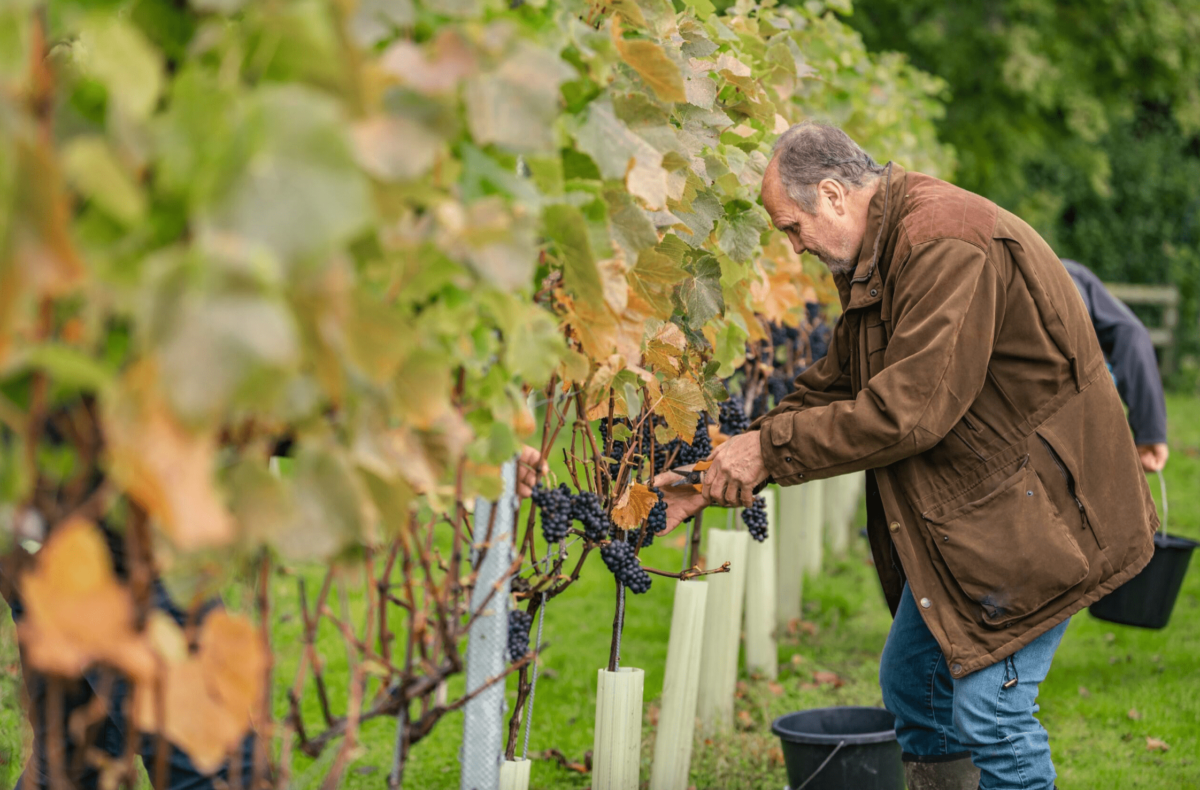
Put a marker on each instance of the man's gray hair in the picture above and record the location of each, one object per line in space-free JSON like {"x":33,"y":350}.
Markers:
{"x":811,"y":152}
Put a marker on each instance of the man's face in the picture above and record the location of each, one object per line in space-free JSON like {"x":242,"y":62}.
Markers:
{"x":834,"y":234}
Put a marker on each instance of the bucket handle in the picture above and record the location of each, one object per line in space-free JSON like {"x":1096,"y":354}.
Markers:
{"x":821,"y":767}
{"x":1162,"y":487}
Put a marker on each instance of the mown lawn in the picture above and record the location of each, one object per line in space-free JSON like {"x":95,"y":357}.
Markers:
{"x":1110,"y":689}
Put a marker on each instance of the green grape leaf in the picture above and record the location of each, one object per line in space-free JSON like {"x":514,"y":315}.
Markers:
{"x":90,"y":166}
{"x":119,"y":56}
{"x":649,"y":60}
{"x":631,"y":227}
{"x":699,"y":296}
{"x":621,"y":154}
{"x":566,"y":226}
{"x":514,"y":105}
{"x":740,"y":233}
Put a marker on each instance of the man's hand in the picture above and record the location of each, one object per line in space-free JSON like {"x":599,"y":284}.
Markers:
{"x":529,"y":466}
{"x":737,"y":469}
{"x":1154,"y":456}
{"x":682,"y":501}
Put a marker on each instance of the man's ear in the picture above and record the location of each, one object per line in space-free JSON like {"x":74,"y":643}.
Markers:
{"x":833,"y":192}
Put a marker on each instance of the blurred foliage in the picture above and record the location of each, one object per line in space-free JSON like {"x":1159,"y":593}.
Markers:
{"x":371,"y":229}
{"x":1081,"y":117}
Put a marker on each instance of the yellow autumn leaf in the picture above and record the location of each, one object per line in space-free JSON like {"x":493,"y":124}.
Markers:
{"x":680,"y":405}
{"x":77,"y":613}
{"x":164,"y":466}
{"x":633,"y":506}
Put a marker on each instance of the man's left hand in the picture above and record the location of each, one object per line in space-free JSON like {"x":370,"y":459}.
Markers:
{"x":737,"y":469}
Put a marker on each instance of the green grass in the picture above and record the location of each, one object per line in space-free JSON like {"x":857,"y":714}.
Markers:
{"x":1095,"y":741}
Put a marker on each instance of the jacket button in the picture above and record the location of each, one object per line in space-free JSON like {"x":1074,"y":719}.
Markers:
{"x":956,"y":669}
{"x":874,"y":292}
{"x":788,"y":459}
{"x":926,"y":603}
{"x":894,"y":526}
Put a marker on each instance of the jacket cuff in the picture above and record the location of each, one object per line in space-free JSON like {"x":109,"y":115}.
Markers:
{"x":775,"y":440}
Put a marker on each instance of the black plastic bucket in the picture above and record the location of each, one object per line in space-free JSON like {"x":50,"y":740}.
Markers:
{"x":1146,"y":600}
{"x":841,"y":748}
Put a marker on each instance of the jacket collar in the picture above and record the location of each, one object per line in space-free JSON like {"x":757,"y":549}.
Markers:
{"x":865,"y":286}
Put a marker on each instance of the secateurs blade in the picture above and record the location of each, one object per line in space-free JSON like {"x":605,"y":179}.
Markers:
{"x":690,"y":475}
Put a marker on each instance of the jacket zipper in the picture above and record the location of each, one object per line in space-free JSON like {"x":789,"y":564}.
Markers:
{"x":1063,"y":470}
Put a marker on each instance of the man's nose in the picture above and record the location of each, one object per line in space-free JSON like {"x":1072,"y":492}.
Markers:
{"x":797,"y":246}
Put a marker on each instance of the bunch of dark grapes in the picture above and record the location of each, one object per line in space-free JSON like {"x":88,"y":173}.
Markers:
{"x":701,"y":446}
{"x":620,"y":558}
{"x":760,"y":407}
{"x":656,"y":522}
{"x":588,"y":510}
{"x":733,"y":416}
{"x":556,"y":506}
{"x":519,"y":622}
{"x":755,"y":519}
{"x":780,"y":386}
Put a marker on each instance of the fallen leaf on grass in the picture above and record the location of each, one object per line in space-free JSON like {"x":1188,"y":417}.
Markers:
{"x":776,"y":756}
{"x":1155,"y":745}
{"x":745,"y":720}
{"x":1133,"y":714}
{"x":796,"y":625}
{"x":652,"y":715}
{"x":797,"y":660}
{"x":775,"y":688}
{"x":823,"y":676}
{"x":1084,"y":692}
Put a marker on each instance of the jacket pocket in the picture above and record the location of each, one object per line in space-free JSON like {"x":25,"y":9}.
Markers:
{"x":1010,"y":551}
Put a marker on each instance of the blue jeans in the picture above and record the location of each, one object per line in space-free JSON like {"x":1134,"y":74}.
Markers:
{"x":109,"y":734}
{"x":940,"y":718}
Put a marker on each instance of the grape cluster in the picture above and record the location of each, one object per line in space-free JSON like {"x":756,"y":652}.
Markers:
{"x":620,"y":558}
{"x":733,"y":416}
{"x":656,"y":522}
{"x":701,"y":446}
{"x":556,"y":506}
{"x":519,"y":622}
{"x":588,"y":510}
{"x":780,"y":385}
{"x":755,"y":519}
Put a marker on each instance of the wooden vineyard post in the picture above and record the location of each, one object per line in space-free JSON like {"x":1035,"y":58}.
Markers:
{"x":789,"y":549}
{"x":617,"y":748}
{"x":722,"y":626}
{"x":677,"y":716}
{"x":761,"y":654}
{"x":514,"y":775}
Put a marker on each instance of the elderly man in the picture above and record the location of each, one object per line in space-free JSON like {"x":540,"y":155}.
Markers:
{"x":1004,"y":491}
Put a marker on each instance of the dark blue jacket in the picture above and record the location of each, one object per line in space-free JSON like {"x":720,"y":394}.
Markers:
{"x":1127,"y":347}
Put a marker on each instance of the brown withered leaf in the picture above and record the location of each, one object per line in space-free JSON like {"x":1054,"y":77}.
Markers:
{"x":77,"y":613}
{"x":775,"y":688}
{"x":776,"y":756}
{"x":211,"y":697}
{"x":164,"y":466}
{"x":649,"y":60}
{"x":633,"y":506}
{"x":1083,"y":692}
{"x":430,"y":70}
{"x":1155,"y":745}
{"x":745,"y":720}
{"x":1134,"y":714}
{"x":826,"y":677}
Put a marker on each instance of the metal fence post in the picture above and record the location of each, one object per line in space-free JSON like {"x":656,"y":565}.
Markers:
{"x":482,"y":749}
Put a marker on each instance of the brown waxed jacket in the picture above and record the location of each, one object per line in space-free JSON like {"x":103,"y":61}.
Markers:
{"x":966,"y":374}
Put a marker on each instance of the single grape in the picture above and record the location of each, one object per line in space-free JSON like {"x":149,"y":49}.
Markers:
{"x":755,"y":519}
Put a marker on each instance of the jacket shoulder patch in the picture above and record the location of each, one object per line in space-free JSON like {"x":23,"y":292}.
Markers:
{"x":935,"y":209}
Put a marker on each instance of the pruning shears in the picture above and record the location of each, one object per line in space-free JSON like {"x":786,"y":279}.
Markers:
{"x":690,"y":475}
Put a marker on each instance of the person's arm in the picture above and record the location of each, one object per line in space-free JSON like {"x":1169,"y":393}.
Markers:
{"x":946,"y":308}
{"x":1135,"y":366}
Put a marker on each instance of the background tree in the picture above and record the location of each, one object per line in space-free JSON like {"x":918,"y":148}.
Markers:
{"x":1081,"y":117}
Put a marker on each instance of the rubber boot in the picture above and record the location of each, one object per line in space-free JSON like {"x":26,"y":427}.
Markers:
{"x":958,"y":774}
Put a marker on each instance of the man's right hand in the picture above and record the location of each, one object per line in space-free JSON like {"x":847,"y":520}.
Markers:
{"x":682,"y":501}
